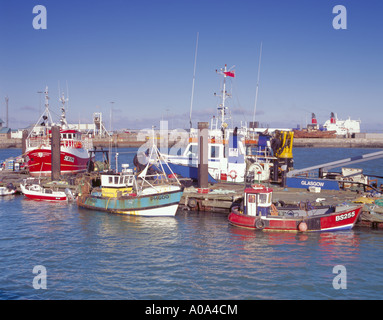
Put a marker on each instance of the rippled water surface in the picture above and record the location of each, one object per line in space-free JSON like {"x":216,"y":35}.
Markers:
{"x":94,"y":255}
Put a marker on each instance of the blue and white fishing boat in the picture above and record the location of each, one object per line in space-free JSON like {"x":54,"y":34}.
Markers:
{"x":227,"y":158}
{"x":142,"y":194}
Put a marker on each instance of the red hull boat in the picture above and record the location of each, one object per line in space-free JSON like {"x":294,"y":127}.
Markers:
{"x":74,"y":148}
{"x":258,"y":212}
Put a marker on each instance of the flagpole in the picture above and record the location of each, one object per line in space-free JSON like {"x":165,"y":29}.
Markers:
{"x":256,"y":90}
{"x":192,"y":95}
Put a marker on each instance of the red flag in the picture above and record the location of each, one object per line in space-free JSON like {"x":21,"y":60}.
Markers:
{"x":229,"y":74}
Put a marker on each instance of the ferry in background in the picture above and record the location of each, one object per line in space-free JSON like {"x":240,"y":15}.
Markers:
{"x":74,"y":149}
{"x":342,"y":127}
{"x":330,"y":129}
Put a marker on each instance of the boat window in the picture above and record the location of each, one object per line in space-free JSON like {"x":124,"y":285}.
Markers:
{"x":64,"y":135}
{"x":115,"y":180}
{"x":128,"y":180}
{"x":263,"y":198}
{"x":251,"y":198}
{"x":214,"y":151}
{"x":110,"y":179}
{"x":192,"y":150}
{"x":69,"y":136}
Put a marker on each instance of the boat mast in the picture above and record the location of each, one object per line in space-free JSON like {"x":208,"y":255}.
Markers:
{"x":63,"y":122}
{"x":192,"y":95}
{"x":256,"y":90}
{"x":46,"y":112}
{"x":222,"y":107}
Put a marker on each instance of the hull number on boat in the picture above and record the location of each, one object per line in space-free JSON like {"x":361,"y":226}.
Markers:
{"x":345,"y":216}
{"x":164,"y":196}
{"x":68,"y":158}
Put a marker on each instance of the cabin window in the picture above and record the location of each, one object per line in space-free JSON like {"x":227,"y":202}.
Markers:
{"x":214,"y":152}
{"x":115,"y":180}
{"x":192,"y":151}
{"x":69,"y":136}
{"x":263,"y":198}
{"x":128,"y":180}
{"x":64,"y":135}
{"x":251,"y":198}
{"x":110,"y":179}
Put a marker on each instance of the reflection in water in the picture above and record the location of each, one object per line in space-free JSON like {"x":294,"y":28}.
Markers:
{"x":97,"y":255}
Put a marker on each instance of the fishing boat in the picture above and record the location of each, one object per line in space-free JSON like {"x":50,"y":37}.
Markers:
{"x":227,"y":158}
{"x":74,"y":147}
{"x":7,"y":190}
{"x":128,"y":193}
{"x":257,"y":212}
{"x":33,"y":189}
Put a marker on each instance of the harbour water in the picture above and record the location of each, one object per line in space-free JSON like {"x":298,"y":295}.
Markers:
{"x":94,"y":255}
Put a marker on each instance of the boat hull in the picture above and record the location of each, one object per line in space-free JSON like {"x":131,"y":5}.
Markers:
{"x":342,"y":220}
{"x":6,"y":192}
{"x":72,"y":161}
{"x":41,"y":196}
{"x":162,"y":204}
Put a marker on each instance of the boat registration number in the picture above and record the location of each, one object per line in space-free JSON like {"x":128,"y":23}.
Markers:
{"x":68,"y":158}
{"x":165,"y":196}
{"x":345,"y":216}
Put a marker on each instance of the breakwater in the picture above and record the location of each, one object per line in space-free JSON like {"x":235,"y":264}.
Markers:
{"x":133,"y":141}
{"x":339,"y":143}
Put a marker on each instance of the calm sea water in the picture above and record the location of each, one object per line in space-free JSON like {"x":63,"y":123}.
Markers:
{"x":95,"y":255}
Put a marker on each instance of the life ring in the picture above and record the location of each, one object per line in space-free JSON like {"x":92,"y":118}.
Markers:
{"x":302,"y":227}
{"x":233,"y":174}
{"x":259,"y":224}
{"x":192,"y":203}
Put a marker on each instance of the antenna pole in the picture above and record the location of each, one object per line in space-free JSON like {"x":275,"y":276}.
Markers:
{"x":192,"y":95}
{"x":256,"y":90}
{"x":6,"y":110}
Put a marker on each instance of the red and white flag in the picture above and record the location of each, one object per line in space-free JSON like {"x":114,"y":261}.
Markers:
{"x":229,"y":73}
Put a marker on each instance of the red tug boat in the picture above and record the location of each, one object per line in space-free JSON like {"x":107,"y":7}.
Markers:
{"x":257,"y":212}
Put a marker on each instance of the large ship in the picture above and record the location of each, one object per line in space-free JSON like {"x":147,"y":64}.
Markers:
{"x":346,"y":127}
{"x":313,"y":130}
{"x":74,"y":147}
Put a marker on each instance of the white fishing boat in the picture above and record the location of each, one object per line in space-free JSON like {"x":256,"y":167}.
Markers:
{"x":32,"y":189}
{"x":227,"y":156}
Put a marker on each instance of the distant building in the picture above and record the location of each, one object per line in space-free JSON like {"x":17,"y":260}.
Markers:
{"x":5,"y":133}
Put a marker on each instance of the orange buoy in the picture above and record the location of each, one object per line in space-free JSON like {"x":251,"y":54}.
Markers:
{"x":302,"y":227}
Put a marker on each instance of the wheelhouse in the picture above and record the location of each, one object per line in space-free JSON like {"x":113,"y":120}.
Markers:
{"x":258,"y":200}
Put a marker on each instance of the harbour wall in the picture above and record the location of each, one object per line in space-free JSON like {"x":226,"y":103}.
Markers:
{"x":361,"y":140}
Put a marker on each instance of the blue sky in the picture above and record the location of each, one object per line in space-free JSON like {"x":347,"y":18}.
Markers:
{"x":140,"y":55}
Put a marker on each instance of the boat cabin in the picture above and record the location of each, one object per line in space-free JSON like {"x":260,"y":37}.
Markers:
{"x":122,"y":183}
{"x":257,"y":201}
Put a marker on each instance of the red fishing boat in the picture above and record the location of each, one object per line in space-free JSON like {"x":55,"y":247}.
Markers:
{"x":74,"y":149}
{"x":257,"y":212}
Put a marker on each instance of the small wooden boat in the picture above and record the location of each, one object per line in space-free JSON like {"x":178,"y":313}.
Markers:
{"x":126,"y":193}
{"x":258,"y":212}
{"x":32,"y":189}
{"x":7,"y":190}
